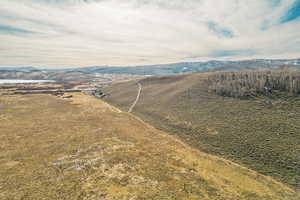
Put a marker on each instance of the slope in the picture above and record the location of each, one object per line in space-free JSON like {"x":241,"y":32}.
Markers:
{"x":83,"y":148}
{"x":263,"y":137}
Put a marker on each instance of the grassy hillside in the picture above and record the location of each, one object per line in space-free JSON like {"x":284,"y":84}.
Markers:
{"x":261,"y":133}
{"x":83,"y":148}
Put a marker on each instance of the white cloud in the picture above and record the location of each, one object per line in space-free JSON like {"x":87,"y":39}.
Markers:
{"x":70,"y":33}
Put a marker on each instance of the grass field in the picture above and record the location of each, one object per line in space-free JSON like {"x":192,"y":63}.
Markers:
{"x":262,"y":134}
{"x":82,"y":148}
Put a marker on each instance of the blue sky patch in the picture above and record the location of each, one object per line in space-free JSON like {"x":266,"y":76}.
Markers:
{"x":219,"y":30}
{"x":292,"y":14}
{"x":12,"y":30}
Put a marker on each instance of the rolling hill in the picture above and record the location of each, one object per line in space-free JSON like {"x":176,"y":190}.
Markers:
{"x":261,"y":133}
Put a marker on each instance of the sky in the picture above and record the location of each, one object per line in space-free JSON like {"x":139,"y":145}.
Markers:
{"x":73,"y":33}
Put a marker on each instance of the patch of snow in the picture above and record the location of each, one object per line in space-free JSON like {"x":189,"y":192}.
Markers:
{"x":12,"y":81}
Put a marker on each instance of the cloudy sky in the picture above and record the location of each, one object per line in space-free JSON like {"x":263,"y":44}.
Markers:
{"x":70,"y":33}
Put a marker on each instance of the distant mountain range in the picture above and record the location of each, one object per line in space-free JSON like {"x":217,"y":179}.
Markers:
{"x":176,"y":68}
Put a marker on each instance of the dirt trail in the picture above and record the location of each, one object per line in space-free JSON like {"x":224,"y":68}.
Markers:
{"x":137,"y":98}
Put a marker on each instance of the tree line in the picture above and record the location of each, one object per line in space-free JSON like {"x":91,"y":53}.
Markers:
{"x":253,"y":83}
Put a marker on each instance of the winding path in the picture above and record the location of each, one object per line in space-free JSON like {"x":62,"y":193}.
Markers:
{"x":137,"y":98}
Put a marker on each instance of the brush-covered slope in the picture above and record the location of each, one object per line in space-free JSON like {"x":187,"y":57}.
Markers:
{"x":261,"y":133}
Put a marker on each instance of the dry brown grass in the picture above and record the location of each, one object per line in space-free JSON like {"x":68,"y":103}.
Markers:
{"x":83,"y":148}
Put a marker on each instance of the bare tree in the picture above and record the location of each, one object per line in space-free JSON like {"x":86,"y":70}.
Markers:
{"x":253,"y":83}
